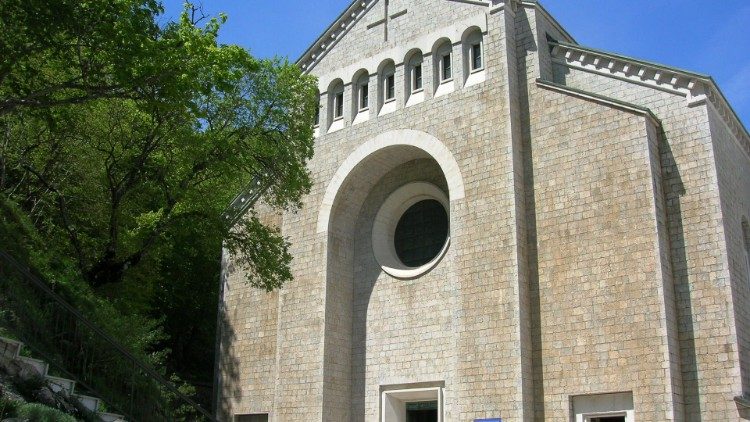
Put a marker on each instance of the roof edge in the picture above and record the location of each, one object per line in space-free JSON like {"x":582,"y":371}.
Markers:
{"x":538,"y":6}
{"x":351,"y":11}
{"x":632,"y":59}
{"x":358,"y":8}
{"x":696,"y":87}
{"x":599,"y":99}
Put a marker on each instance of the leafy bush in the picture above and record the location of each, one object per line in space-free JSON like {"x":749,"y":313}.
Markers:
{"x":40,"y":413}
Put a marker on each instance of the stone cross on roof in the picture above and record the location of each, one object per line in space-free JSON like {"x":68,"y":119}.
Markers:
{"x":386,"y":20}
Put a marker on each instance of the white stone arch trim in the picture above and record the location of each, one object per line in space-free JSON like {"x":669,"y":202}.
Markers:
{"x":403,"y":137}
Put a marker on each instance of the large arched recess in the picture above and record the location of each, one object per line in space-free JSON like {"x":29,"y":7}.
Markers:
{"x":365,"y":160}
{"x":338,"y":217}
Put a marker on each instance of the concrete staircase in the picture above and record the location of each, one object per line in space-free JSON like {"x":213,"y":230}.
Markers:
{"x":11,"y":349}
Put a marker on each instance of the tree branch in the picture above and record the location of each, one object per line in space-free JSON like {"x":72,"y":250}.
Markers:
{"x":62,"y":206}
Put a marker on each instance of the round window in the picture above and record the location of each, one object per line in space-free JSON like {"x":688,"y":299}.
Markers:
{"x":421,"y":233}
{"x":411,"y":232}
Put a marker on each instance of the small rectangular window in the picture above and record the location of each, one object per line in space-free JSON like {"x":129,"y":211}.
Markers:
{"x":364,"y":96}
{"x":317,"y":115}
{"x":338,"y":106}
{"x":447,"y":68}
{"x":390,"y":87}
{"x":476,"y":57}
{"x":417,"y":77}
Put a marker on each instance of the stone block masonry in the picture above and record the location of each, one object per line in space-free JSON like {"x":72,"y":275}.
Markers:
{"x":596,"y":263}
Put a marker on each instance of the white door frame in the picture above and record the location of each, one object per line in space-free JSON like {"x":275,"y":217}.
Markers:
{"x":588,"y":417}
{"x":394,"y":402}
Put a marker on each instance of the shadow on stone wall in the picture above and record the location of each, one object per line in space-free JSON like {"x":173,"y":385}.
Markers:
{"x":525,"y":48}
{"x":675,"y":190}
{"x":364,"y":287}
{"x":367,"y":273}
{"x":227,"y":370}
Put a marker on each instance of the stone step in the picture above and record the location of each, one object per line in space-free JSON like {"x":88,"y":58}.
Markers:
{"x":90,"y":403}
{"x":111,"y":417}
{"x":39,"y":366}
{"x":59,"y":384}
{"x":10,"y":348}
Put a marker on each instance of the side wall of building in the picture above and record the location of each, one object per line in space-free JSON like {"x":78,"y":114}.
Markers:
{"x":697,"y":238}
{"x":733,"y":166}
{"x":603,"y":323}
{"x":248,"y":321}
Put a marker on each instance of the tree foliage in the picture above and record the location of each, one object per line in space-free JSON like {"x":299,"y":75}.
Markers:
{"x":123,"y":141}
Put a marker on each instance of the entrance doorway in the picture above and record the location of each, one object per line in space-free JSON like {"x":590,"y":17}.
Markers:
{"x":426,"y":411}
{"x":609,"y":419}
{"x":412,"y":405}
{"x":608,"y":407}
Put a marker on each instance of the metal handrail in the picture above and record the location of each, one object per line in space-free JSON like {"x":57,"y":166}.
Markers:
{"x":138,"y":365}
{"x":244,"y":201}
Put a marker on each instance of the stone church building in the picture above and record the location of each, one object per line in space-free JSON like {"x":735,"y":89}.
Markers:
{"x":505,"y":225}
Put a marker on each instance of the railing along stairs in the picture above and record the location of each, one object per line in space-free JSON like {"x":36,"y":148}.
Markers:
{"x":81,"y":355}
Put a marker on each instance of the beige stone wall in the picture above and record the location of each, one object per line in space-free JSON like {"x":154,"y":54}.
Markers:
{"x":600,"y":272}
{"x":314,"y":370}
{"x":248,"y":324}
{"x":359,"y":43}
{"x":404,"y":329}
{"x":588,"y":255}
{"x":734,"y":187}
{"x":697,"y":240}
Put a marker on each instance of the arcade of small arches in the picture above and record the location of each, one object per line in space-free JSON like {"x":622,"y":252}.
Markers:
{"x":379,"y":89}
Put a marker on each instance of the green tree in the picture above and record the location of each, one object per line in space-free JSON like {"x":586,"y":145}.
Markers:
{"x":124,"y":141}
{"x":113,"y":177}
{"x":59,"y":52}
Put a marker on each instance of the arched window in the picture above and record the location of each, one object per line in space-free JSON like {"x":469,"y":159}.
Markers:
{"x":414,"y":71}
{"x":360,"y":96}
{"x":473,"y":56}
{"x":336,"y":105}
{"x":389,"y":83}
{"x":387,"y":86}
{"x":746,"y":244}
{"x":361,"y":91}
{"x":414,"y":81}
{"x":443,"y":70}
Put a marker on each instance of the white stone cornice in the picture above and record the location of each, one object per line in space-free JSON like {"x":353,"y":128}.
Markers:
{"x":610,"y":102}
{"x":347,"y":19}
{"x":696,"y":88}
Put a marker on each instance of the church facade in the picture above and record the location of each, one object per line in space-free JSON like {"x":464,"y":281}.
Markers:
{"x":504,"y":225}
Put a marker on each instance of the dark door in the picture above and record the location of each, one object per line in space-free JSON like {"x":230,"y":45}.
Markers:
{"x":422,"y":412}
{"x":609,"y":419}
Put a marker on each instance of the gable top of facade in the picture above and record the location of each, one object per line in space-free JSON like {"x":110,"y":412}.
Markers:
{"x":696,"y":87}
{"x":359,"y":8}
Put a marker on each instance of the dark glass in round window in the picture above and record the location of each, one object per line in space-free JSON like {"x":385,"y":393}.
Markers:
{"x":421,"y":233}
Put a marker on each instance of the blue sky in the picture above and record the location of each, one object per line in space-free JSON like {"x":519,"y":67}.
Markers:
{"x":711,"y":37}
